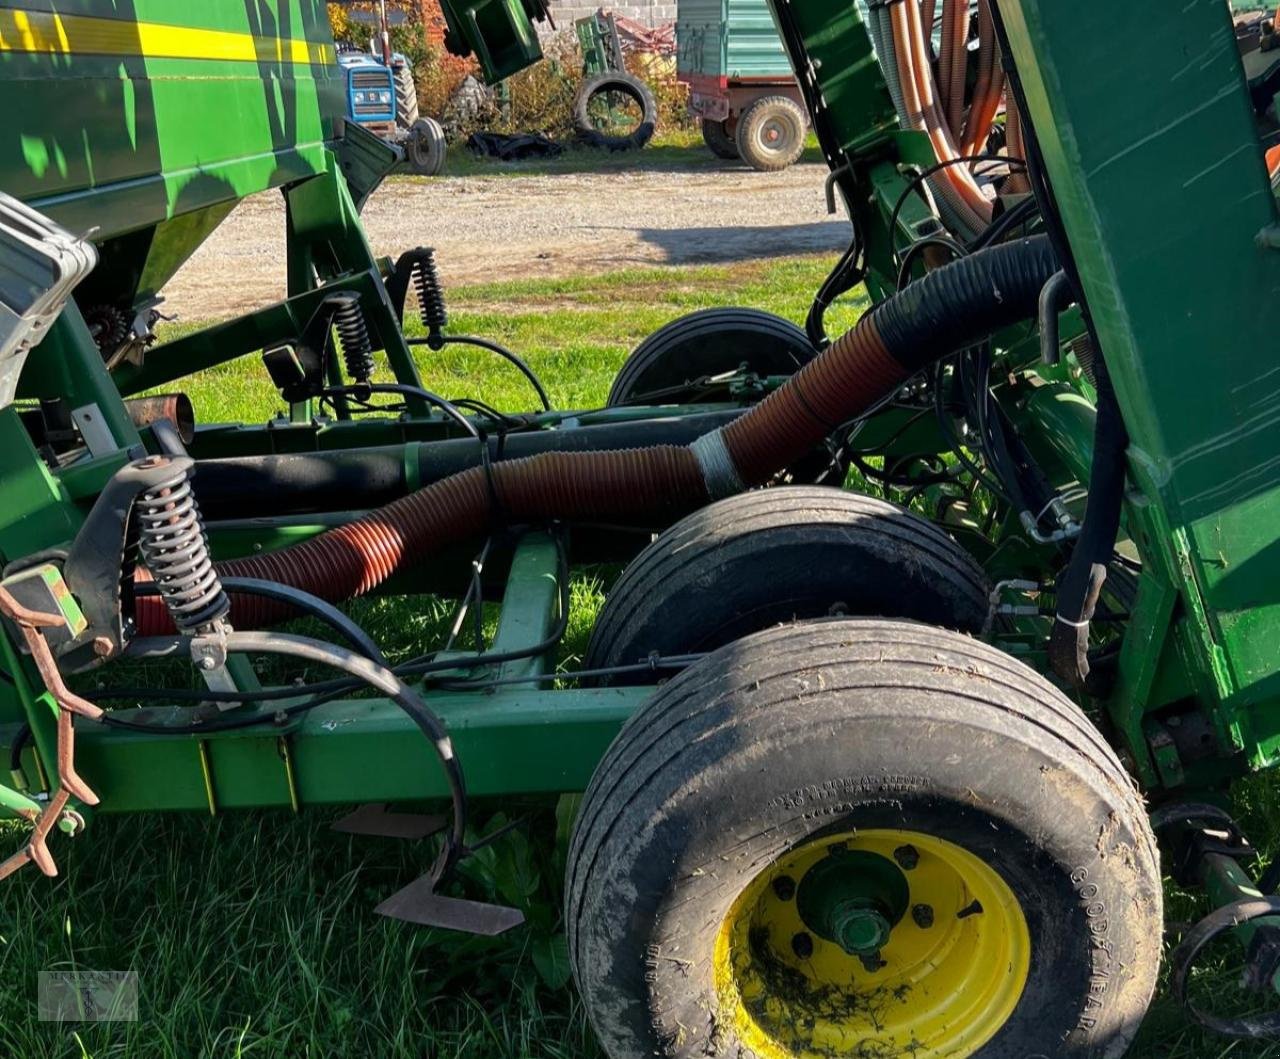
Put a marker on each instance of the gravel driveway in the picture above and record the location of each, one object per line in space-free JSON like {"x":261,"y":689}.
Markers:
{"x":517,"y":226}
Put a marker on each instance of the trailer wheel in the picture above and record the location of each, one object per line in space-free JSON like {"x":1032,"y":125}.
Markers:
{"x":862,"y":838}
{"x":426,"y":149}
{"x":743,"y":564}
{"x":771,"y":133}
{"x":615,"y":110}
{"x":706,"y":343}
{"x":717,"y":137}
{"x":406,"y":97}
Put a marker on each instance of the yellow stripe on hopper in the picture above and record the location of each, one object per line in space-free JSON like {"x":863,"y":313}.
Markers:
{"x":44,"y":32}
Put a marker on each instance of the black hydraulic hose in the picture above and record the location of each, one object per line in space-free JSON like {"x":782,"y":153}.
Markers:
{"x":506,"y":354}
{"x":1081,"y":584}
{"x":320,"y":609}
{"x":405,"y":390}
{"x":1055,"y":297}
{"x":383,"y":680}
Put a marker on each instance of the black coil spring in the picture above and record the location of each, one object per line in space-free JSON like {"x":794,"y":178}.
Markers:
{"x":174,"y":547}
{"x":430,"y":291}
{"x":353,"y":336}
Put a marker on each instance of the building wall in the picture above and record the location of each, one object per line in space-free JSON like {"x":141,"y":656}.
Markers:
{"x":650,"y":12}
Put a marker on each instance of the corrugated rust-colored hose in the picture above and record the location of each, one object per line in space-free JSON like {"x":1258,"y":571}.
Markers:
{"x":988,"y":87}
{"x":955,"y":42}
{"x":950,"y":308}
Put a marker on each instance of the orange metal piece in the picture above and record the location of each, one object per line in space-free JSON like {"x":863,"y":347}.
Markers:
{"x":30,"y":622}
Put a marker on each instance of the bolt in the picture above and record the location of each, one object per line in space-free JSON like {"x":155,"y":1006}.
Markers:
{"x":802,"y":945}
{"x":872,"y":962}
{"x":784,"y":887}
{"x":103,"y":646}
{"x":907,"y":857}
{"x":923,"y":915}
{"x":208,"y":662}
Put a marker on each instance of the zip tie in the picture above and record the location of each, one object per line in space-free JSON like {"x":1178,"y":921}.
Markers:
{"x":718,"y":472}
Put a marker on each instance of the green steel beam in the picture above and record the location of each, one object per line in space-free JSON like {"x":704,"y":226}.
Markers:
{"x":1161,"y":184}
{"x":509,"y":742}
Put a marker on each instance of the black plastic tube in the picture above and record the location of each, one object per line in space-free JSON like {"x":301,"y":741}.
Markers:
{"x":975,"y":296}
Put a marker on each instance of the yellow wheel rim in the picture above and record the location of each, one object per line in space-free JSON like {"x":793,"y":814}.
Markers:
{"x":953,"y":960}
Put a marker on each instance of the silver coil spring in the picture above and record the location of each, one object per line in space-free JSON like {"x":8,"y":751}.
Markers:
{"x":353,"y":336}
{"x":430,"y":291}
{"x":175,"y":549}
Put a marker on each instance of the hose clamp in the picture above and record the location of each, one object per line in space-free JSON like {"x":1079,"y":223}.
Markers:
{"x":718,"y":472}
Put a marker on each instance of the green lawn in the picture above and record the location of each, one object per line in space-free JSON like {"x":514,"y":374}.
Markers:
{"x":253,"y":935}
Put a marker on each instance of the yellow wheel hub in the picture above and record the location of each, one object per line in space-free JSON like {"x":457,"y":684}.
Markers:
{"x":877,"y":943}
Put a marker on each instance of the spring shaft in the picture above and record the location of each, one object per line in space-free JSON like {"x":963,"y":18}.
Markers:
{"x":430,"y":291}
{"x":353,"y":336}
{"x":175,"y":549}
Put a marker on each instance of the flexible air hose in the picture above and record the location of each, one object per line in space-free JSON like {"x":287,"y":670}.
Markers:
{"x":950,"y":308}
{"x":952,"y":80}
{"x":956,"y":212}
{"x":988,"y":88}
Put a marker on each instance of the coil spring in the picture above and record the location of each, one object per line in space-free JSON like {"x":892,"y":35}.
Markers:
{"x":430,"y":291}
{"x":353,"y":336}
{"x":174,"y":547}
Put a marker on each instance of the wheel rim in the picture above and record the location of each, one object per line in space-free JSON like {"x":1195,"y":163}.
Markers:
{"x":796,"y":957}
{"x":775,"y":135}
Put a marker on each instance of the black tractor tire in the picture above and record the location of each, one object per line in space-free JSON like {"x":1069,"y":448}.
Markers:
{"x":628,"y":85}
{"x":771,"y":133}
{"x":719,"y":140}
{"x":705,"y":343}
{"x":406,"y":97}
{"x":821,"y":737}
{"x":425,"y":148}
{"x":793,"y":552}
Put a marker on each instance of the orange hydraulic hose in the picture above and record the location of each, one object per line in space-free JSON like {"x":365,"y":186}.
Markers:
{"x":953,"y":92}
{"x":958,"y":175}
{"x":928,"y":9}
{"x":944,"y":184}
{"x":946,"y":53}
{"x":978,"y":125}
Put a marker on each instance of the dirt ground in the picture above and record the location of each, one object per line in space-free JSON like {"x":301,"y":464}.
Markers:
{"x":487,"y":228}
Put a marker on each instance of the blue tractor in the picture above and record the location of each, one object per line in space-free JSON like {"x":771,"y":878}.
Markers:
{"x":382,"y":97}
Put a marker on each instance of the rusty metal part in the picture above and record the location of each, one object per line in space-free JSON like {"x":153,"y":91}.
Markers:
{"x":175,"y":407}
{"x":30,"y":622}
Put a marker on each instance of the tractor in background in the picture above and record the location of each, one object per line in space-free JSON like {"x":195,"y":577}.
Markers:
{"x":382,"y":96}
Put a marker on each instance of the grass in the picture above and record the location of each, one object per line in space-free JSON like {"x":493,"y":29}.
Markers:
{"x":253,"y":934}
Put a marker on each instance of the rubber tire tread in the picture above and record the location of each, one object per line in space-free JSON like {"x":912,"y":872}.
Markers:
{"x":687,"y":560}
{"x":632,"y":86}
{"x":718,"y":140}
{"x":770,"y":162}
{"x":407,"y":112}
{"x":658,"y":739}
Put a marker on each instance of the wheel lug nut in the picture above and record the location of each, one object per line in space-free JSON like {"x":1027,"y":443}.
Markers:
{"x":784,"y":887}
{"x":907,"y":857}
{"x":802,"y":945}
{"x":923,"y":916}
